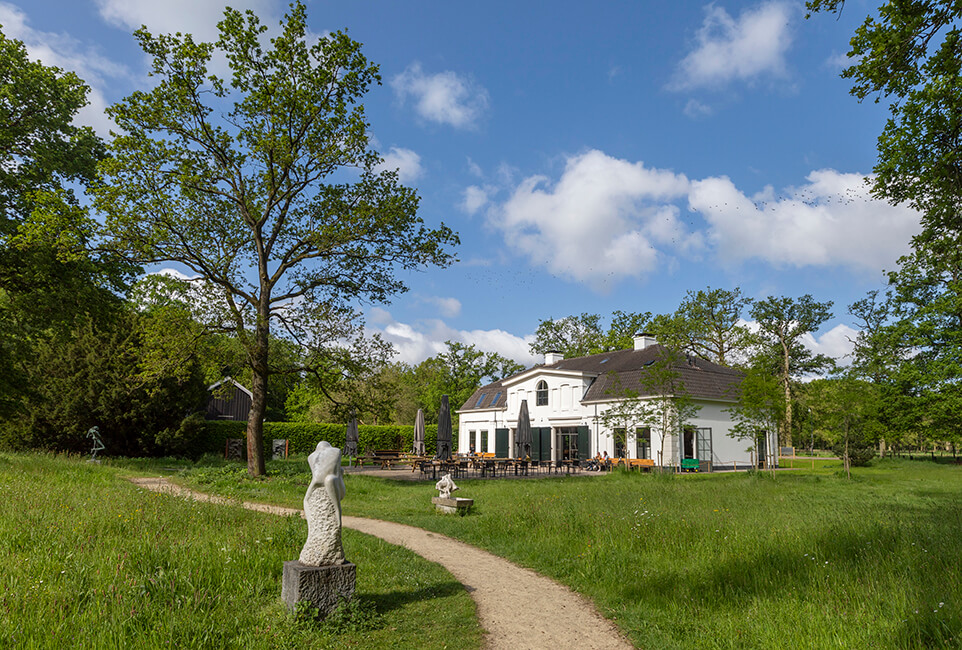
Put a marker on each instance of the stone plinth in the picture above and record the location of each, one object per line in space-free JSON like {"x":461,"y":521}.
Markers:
{"x":452,"y":505}
{"x":324,"y":587}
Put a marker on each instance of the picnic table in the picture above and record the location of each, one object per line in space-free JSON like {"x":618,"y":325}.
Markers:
{"x":387,"y":458}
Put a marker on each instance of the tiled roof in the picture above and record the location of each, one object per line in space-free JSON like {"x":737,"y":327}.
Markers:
{"x":627,"y":370}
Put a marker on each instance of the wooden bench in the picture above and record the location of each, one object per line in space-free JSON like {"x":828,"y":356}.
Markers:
{"x":643,"y":464}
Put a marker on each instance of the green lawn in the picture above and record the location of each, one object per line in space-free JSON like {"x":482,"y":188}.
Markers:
{"x":807,"y":559}
{"x":90,"y":561}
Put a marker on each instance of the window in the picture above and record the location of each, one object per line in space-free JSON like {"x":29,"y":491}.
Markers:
{"x":567,"y":443}
{"x":480,"y":401}
{"x":497,"y":396}
{"x":703,"y":445}
{"x":483,"y":447}
{"x":643,"y":442}
{"x":619,"y":443}
{"x":541,"y":394}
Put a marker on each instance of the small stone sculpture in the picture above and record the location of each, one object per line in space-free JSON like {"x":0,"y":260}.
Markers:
{"x":94,"y":432}
{"x":322,"y":508}
{"x":446,"y":486}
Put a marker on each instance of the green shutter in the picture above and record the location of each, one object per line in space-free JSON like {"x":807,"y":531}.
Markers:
{"x":501,"y":443}
{"x":584,"y":443}
{"x":545,"y":453}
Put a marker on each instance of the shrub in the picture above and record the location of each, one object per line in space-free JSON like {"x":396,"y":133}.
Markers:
{"x":184,"y":440}
{"x":302,"y":437}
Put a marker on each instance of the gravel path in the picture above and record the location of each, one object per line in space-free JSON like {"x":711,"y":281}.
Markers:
{"x":517,"y":607}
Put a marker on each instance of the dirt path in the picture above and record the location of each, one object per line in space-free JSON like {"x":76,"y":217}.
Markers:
{"x":517,"y":607}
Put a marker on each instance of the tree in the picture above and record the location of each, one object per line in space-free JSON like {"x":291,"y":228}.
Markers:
{"x":908,"y":55}
{"x":847,"y":409}
{"x":264,"y":185}
{"x":708,"y":324}
{"x":760,"y":410}
{"x":573,"y":336}
{"x":90,"y":376}
{"x":671,"y":406}
{"x":41,"y":149}
{"x":627,"y":412}
{"x":457,"y":373}
{"x":48,"y":282}
{"x":579,"y":336}
{"x":782,"y":322}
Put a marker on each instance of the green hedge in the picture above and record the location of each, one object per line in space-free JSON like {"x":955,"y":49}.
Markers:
{"x":302,"y":437}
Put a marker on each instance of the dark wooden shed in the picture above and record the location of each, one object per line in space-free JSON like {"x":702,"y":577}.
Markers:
{"x":228,"y":400}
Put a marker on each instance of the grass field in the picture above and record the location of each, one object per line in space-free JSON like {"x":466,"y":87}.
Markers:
{"x":90,"y":561}
{"x":807,"y":559}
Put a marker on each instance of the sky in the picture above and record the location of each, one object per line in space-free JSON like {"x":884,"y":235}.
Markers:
{"x":592,"y":157}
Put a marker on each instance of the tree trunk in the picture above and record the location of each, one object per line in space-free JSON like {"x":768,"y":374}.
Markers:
{"x":787,"y":381}
{"x":255,"y":418}
{"x":847,"y":462}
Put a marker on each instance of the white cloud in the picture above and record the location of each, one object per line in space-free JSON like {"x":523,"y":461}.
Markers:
{"x":449,"y":307}
{"x":835,"y":343}
{"x":601,"y":221}
{"x":406,"y":162}
{"x":745,"y":49}
{"x":445,"y":97}
{"x":196,"y":17}
{"x":67,"y":53}
{"x":475,"y":198}
{"x":416,"y":342}
{"x":475,"y":169}
{"x":695,"y":109}
{"x":832,"y":220}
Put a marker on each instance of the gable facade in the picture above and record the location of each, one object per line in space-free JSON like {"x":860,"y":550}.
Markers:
{"x":228,"y":400}
{"x":566,"y":399}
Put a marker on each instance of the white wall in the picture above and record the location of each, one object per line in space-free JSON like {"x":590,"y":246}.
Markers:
{"x":564,"y":408}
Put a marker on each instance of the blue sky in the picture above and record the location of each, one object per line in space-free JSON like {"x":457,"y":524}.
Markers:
{"x":592,"y":156}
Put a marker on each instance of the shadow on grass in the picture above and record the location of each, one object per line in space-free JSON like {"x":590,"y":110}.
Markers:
{"x":901,"y":566}
{"x":386,"y":602}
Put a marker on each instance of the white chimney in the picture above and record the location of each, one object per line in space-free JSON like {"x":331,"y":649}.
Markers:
{"x":553,"y":357}
{"x":644,"y":340}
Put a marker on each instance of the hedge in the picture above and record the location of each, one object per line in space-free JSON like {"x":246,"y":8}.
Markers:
{"x":302,"y":437}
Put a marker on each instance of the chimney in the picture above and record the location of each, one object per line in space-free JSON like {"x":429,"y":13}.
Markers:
{"x":553,"y":356}
{"x":644,"y":340}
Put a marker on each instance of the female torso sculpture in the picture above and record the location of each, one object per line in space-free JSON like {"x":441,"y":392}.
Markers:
{"x":322,"y":508}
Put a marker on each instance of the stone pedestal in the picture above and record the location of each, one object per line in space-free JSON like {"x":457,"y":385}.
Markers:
{"x":452,"y":505}
{"x":324,"y":587}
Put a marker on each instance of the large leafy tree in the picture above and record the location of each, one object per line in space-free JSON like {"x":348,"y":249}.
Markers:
{"x":708,"y":323}
{"x":908,"y":54}
{"x":579,"y":336}
{"x":263,"y":184}
{"x":49,"y":279}
{"x":782,"y":324}
{"x":41,"y":149}
{"x":457,"y":373}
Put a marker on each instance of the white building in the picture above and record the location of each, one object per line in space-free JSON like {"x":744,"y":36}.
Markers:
{"x":567,"y":398}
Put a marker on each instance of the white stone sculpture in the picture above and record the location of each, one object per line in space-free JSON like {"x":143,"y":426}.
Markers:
{"x":322,"y":508}
{"x":446,"y":486}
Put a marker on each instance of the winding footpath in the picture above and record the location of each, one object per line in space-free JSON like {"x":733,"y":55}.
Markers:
{"x":554,"y":616}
